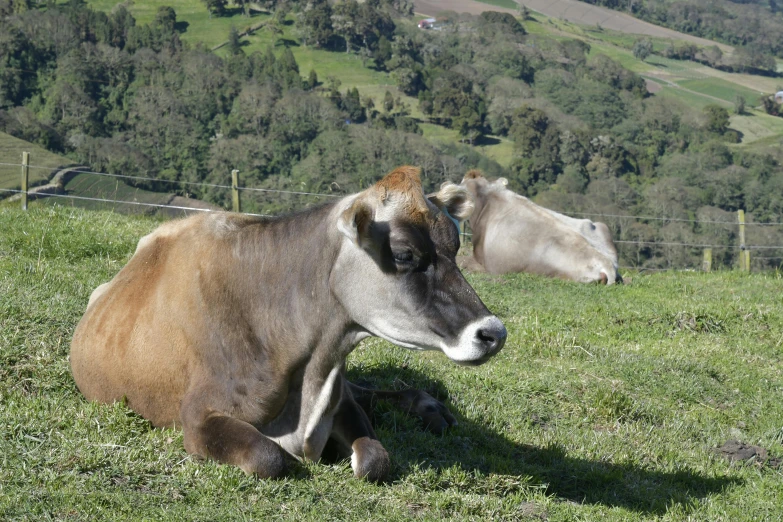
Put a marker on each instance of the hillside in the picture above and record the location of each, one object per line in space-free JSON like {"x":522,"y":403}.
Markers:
{"x":661,"y":146}
{"x":575,"y":11}
{"x":607,"y":403}
{"x":11,"y":149}
{"x":755,"y":27}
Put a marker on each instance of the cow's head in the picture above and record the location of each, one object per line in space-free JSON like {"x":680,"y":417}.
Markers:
{"x":396,"y":273}
{"x":478,"y":186}
{"x":580,"y":249}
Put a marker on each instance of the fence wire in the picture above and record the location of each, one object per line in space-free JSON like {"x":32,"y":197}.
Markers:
{"x":316,"y":194}
{"x":124,"y":202}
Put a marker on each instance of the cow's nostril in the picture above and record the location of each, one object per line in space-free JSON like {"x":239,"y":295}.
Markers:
{"x":492,"y":336}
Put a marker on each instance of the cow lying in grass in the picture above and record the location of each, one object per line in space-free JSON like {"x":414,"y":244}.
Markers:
{"x":236,"y":328}
{"x":510,"y":233}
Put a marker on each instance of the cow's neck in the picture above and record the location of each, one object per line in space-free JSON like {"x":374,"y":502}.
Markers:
{"x":284,"y":281}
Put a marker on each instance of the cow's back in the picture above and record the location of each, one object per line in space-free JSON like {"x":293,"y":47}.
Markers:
{"x":132,"y":343}
{"x":508,"y":236}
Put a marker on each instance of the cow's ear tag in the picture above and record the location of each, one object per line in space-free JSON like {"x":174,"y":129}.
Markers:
{"x":502,"y":181}
{"x":354,"y":222}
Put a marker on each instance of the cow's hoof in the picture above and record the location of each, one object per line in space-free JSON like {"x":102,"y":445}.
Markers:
{"x":370,"y":460}
{"x":265,"y":461}
{"x":434,"y":415}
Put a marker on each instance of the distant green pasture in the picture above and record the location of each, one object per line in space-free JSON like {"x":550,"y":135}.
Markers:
{"x":692,"y":99}
{"x":11,"y":149}
{"x":508,"y":4}
{"x":200,"y":27}
{"x":722,"y":89}
{"x":103,"y":187}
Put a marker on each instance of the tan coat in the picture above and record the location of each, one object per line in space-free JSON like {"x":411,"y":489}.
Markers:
{"x":513,"y":234}
{"x":236,"y":328}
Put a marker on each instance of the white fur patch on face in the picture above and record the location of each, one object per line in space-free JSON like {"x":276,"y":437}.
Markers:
{"x":469,"y":346}
{"x":404,"y":337}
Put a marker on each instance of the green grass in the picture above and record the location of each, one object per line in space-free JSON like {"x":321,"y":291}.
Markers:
{"x":508,"y":4}
{"x":693,"y":100}
{"x":11,"y":152}
{"x":607,"y":403}
{"x":108,"y":188}
{"x":757,"y":125}
{"x":199,"y":26}
{"x":722,"y":89}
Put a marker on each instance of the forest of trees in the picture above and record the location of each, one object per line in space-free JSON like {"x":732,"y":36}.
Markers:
{"x":134,"y":99}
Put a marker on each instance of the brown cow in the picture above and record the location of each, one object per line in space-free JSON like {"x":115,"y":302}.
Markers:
{"x":513,"y":234}
{"x":236,"y":328}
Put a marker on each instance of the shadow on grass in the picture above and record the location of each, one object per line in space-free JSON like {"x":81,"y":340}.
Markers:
{"x":486,"y":140}
{"x":474,"y":447}
{"x":286,"y":42}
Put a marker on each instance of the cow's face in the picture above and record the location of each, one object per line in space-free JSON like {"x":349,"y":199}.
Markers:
{"x":396,"y":273}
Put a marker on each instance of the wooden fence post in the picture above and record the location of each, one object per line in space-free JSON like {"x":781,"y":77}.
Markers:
{"x":25,"y":177}
{"x":706,"y":264}
{"x":741,"y":218}
{"x":237,"y":207}
{"x":747,"y":259}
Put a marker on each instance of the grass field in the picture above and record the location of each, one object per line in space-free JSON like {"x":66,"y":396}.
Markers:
{"x":508,"y":4}
{"x":192,"y":14}
{"x":607,"y":403}
{"x":11,"y":152}
{"x":722,"y":89}
{"x":113,"y":189}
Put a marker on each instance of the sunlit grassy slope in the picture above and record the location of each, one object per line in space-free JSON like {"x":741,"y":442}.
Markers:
{"x":607,"y":403}
{"x":11,"y":149}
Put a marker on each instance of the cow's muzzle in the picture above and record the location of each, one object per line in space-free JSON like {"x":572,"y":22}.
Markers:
{"x":478,"y":342}
{"x":492,"y":337}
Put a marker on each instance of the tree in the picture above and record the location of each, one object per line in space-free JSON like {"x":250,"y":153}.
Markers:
{"x":215,"y":7}
{"x":245,"y":4}
{"x":234,"y":43}
{"x":524,"y":12}
{"x":166,"y":19}
{"x":717,"y":119}
{"x":739,"y":104}
{"x":388,"y":102}
{"x":642,"y":49}
{"x":468,"y":123}
{"x":712,"y":55}
{"x":312,"y":79}
{"x":344,"y":20}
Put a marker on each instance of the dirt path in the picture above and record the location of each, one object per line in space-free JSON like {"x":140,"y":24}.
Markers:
{"x":572,"y":11}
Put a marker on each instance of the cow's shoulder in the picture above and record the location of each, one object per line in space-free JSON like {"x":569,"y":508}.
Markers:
{"x":207,"y":226}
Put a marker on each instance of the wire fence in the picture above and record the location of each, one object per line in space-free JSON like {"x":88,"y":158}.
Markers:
{"x":49,"y":191}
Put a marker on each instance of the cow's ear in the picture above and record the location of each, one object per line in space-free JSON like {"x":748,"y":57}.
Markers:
{"x":355,"y":222}
{"x":454,"y":200}
{"x":502,"y":181}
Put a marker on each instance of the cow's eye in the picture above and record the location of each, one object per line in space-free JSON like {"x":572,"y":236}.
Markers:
{"x":403,"y":257}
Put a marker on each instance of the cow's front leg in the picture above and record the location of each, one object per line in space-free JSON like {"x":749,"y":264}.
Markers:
{"x":434,"y":415}
{"x":211,"y":434}
{"x":354,"y":437}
